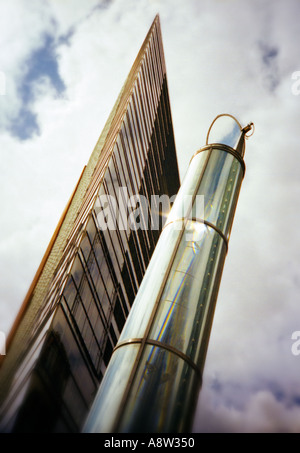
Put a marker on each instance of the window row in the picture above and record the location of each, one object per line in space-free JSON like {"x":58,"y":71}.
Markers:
{"x":95,"y":296}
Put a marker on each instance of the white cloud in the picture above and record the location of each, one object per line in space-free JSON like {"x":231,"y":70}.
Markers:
{"x":69,"y":13}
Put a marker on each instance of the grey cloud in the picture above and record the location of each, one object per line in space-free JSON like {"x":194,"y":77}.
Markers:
{"x":262,"y":414}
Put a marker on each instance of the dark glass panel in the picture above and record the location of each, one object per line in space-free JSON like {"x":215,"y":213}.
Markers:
{"x":144,"y":101}
{"x":113,"y":334}
{"x":128,"y":281}
{"x":118,"y":314}
{"x":134,"y":251}
{"x":151,"y":94}
{"x":132,"y":158}
{"x":108,"y":352}
{"x":139,"y":106}
{"x":139,"y":122}
{"x":136,"y":137}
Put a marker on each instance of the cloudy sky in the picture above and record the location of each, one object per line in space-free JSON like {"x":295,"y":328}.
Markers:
{"x":62,"y":64}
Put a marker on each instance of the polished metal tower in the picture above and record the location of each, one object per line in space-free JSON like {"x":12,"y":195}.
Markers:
{"x":154,"y":376}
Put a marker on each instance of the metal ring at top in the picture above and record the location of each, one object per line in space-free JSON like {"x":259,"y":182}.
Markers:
{"x":222,"y":114}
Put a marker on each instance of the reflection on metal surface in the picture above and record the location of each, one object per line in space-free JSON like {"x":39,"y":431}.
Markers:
{"x":227,"y":130}
{"x":172,"y":315}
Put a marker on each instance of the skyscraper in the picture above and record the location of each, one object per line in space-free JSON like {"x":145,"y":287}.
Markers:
{"x":72,"y":316}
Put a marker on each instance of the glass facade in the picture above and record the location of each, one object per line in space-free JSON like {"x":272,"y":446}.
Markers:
{"x":166,"y":335}
{"x":108,"y":250}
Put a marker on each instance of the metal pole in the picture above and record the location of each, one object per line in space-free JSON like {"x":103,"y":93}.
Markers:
{"x":154,"y":376}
